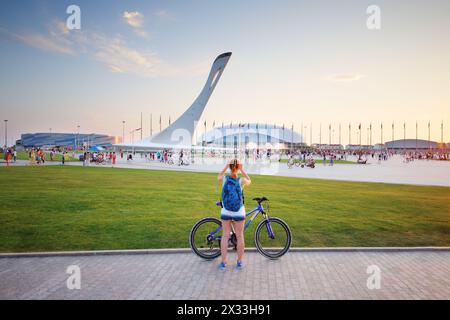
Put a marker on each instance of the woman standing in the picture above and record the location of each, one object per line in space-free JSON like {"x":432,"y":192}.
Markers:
{"x":233,"y":210}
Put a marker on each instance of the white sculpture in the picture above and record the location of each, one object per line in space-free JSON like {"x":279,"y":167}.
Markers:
{"x":181,"y":132}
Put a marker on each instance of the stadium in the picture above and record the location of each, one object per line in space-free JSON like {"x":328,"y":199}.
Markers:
{"x":412,"y":144}
{"x":251,"y":136}
{"x":46,"y":139}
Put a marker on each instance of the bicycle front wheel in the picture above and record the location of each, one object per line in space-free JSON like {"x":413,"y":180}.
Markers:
{"x":203,"y":238}
{"x":273,"y":238}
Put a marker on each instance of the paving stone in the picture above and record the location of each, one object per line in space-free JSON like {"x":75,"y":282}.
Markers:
{"x":297,"y":275}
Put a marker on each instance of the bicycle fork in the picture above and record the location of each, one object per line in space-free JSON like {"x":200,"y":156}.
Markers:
{"x":270,"y":232}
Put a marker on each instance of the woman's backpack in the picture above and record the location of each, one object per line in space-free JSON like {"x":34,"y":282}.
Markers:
{"x":232,"y":198}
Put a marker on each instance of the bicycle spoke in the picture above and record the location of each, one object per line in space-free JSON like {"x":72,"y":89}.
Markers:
{"x":273,"y":239}
{"x":205,"y":239}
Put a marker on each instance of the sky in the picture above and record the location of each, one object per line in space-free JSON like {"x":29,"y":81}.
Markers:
{"x":294,"y":63}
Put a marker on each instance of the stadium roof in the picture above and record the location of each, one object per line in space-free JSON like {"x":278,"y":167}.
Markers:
{"x":411,"y":144}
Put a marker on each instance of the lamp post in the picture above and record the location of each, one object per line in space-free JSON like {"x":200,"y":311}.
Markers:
{"x":329,"y":135}
{"x":123,"y":131}
{"x":349,"y":133}
{"x":305,"y":142}
{"x":393,"y":131}
{"x":417,"y":127}
{"x":381,"y":139}
{"x":320,"y":134}
{"x":204,"y":136}
{"x":141,"y":125}
{"x":339,"y":134}
{"x":292,"y":136}
{"x":77,"y":138}
{"x":404,"y":136}
{"x":302,"y":133}
{"x":6,"y":134}
{"x":360,"y":137}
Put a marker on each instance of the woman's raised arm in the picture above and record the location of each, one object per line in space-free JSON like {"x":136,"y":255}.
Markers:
{"x":222,"y":173}
{"x":247,"y":179}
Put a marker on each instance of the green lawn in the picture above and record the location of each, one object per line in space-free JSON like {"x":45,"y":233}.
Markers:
{"x":76,"y":208}
{"x":320,"y":161}
{"x":23,"y":155}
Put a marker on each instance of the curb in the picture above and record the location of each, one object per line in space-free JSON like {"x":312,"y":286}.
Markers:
{"x":188,"y":250}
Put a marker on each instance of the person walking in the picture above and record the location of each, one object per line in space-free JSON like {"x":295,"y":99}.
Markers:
{"x":233,"y":210}
{"x":7,"y":156}
{"x":84,"y":159}
{"x":32,"y":156}
{"x":14,"y":156}
{"x":63,"y":157}
{"x":42,"y":156}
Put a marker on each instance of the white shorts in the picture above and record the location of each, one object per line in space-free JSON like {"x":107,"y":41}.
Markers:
{"x":233,"y":215}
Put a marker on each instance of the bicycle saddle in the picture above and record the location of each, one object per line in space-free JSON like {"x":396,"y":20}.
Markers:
{"x":259,"y":200}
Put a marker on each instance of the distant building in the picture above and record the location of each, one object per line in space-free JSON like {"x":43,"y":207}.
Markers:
{"x":411,"y":144}
{"x":331,"y":147}
{"x":379,"y":147}
{"x":251,"y":136}
{"x":358,"y":147}
{"x":45,"y":139}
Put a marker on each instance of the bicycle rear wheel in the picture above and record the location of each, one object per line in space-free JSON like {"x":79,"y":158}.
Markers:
{"x":203,"y":238}
{"x":273,"y":238}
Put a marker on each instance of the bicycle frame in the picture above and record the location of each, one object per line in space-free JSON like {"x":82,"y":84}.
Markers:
{"x":258,"y":209}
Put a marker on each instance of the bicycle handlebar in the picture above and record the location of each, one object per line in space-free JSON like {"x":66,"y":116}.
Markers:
{"x":259,"y":200}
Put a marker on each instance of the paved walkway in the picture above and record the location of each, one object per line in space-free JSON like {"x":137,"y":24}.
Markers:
{"x":419,"y":172}
{"x":298,"y":275}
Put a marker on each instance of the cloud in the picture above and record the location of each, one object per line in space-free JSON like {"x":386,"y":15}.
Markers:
{"x":119,"y":58}
{"x":134,"y":19}
{"x":58,"y":27}
{"x":113,"y":52}
{"x":345,"y":77}
{"x":51,"y":42}
{"x":142,"y":33}
{"x":164,"y":14}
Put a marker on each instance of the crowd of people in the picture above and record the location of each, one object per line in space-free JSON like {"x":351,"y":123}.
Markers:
{"x":165,"y":156}
{"x":99,"y":158}
{"x":187,"y":156}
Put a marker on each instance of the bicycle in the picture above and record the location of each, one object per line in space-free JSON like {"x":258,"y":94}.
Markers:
{"x":205,"y":241}
{"x":292,"y":161}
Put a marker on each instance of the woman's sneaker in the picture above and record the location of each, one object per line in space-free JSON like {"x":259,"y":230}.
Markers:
{"x":239,"y":265}
{"x":222,"y":265}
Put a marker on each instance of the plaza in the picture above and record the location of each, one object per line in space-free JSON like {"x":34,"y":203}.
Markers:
{"x":302,"y":274}
{"x":394,"y":170}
